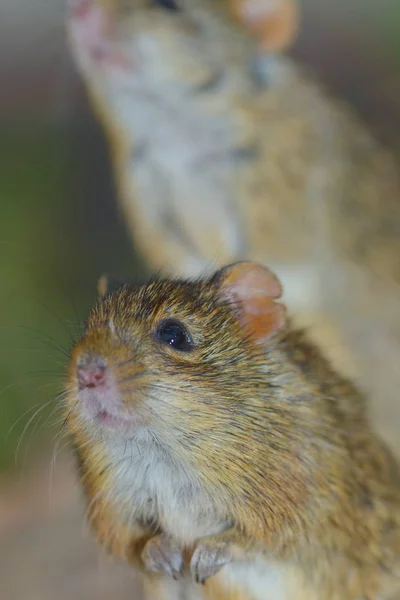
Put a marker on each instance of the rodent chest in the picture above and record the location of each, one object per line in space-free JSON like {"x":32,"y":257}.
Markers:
{"x":148,"y":487}
{"x":184,"y":167}
{"x":179,"y":132}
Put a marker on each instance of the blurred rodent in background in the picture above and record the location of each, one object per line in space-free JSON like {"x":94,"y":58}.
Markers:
{"x":225,"y":148}
{"x":216,"y":445}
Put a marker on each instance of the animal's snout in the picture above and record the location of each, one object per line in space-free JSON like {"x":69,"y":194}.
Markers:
{"x":91,"y":372}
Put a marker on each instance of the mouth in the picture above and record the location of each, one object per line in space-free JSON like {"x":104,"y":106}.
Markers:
{"x":111,"y":421}
{"x":93,"y":33}
{"x":95,"y":412}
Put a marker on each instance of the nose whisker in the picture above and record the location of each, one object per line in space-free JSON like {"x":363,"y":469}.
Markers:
{"x":123,"y":363}
{"x":129,"y":378}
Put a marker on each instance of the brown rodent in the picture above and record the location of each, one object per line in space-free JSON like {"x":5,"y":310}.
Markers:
{"x":223,"y":151}
{"x":191,"y":116}
{"x":217,"y":444}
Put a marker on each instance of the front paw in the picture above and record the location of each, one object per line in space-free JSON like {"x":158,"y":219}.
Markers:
{"x":208,"y":558}
{"x":161,"y":555}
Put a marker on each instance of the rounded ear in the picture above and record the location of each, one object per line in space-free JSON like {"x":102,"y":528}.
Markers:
{"x":274,"y":22}
{"x":252,"y":290}
{"x":107,"y":285}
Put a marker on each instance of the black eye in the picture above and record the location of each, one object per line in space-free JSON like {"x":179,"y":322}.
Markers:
{"x":167,"y":4}
{"x":174,"y":334}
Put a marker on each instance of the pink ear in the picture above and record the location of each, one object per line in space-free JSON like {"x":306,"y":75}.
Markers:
{"x":252,"y":290}
{"x":274,"y":22}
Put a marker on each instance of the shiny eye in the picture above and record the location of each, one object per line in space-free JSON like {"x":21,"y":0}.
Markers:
{"x":167,"y":4}
{"x":174,"y":334}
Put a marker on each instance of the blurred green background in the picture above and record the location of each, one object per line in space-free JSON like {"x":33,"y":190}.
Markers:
{"x":59,"y":230}
{"x":59,"y":225}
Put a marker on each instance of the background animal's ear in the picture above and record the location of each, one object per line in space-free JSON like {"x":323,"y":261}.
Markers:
{"x":274,"y":22}
{"x":107,"y":285}
{"x":251,"y":290}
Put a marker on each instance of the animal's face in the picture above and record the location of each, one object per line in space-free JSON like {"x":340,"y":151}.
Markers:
{"x":162,"y":48}
{"x":173,"y":357}
{"x":154,"y":45}
{"x":154,"y":357}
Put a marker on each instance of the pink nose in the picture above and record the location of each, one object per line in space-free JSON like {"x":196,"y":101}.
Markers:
{"x":91,"y":373}
{"x":80,"y":9}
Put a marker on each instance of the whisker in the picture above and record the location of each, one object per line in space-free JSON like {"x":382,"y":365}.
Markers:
{"x":49,"y":422}
{"x":44,"y":337}
{"x":59,"y":400}
{"x":32,"y":433}
{"x":158,"y":416}
{"x":12,"y":385}
{"x":64,"y":424}
{"x":30,"y":409}
{"x":149,"y":393}
{"x":52,"y":468}
{"x":79,"y":320}
{"x":123,"y":363}
{"x":40,"y":372}
{"x":131,"y":377}
{"x":56,"y":444}
{"x":37,"y":412}
{"x":59,"y":320}
{"x":93,"y":500}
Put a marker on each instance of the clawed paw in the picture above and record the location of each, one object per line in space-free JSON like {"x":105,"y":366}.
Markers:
{"x":208,"y":559}
{"x":161,"y":555}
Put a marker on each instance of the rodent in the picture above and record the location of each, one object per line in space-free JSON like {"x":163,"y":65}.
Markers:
{"x":224,"y":147}
{"x":216,"y":444}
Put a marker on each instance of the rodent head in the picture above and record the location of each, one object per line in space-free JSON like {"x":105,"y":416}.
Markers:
{"x":174,"y":357}
{"x":197,"y":378}
{"x":156,"y":47}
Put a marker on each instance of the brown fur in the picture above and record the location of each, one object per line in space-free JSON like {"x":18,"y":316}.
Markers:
{"x":278,"y":440}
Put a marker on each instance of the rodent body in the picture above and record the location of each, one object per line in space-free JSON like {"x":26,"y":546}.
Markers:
{"x":198,"y":124}
{"x":222,"y":152}
{"x":285,"y":171}
{"x":217,"y":445}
